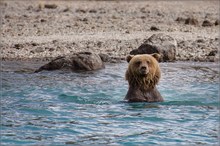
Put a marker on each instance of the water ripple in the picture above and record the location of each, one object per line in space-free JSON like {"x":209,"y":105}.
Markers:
{"x":58,"y":108}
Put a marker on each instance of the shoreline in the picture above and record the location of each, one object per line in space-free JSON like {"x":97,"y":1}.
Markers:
{"x":31,"y":66}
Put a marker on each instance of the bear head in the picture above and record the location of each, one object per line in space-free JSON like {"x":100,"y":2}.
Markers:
{"x":143,"y":70}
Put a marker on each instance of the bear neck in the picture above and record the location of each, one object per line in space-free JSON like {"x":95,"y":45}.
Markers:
{"x":143,"y":83}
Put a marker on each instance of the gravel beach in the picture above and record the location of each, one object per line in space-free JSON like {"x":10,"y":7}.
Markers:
{"x":42,"y":30}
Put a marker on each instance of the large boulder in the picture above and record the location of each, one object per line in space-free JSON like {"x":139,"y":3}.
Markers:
{"x":82,"y":61}
{"x":160,"y":43}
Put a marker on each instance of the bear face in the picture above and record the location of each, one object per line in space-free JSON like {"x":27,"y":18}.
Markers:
{"x":143,"y":74}
{"x":143,"y":70}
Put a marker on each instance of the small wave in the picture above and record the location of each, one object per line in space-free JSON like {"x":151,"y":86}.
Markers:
{"x":98,"y":99}
{"x":190,"y":103}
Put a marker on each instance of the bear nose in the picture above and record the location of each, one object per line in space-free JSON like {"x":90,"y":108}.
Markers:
{"x":143,"y":68}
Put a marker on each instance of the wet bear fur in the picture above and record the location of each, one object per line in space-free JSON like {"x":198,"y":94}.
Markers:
{"x":143,"y":74}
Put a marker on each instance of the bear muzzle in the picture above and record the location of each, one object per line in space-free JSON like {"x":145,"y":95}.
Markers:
{"x":144,"y":70}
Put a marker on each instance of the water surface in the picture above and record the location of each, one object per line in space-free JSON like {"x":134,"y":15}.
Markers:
{"x":61,"y":107}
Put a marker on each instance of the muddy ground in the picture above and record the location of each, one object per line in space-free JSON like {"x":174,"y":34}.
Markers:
{"x":42,"y":30}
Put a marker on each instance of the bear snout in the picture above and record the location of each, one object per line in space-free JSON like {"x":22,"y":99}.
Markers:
{"x":143,"y":67}
{"x":144,"y":70}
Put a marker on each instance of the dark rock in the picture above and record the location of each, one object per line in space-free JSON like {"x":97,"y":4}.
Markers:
{"x":99,"y":44}
{"x":200,"y":41}
{"x":30,"y":8}
{"x":127,"y":31}
{"x":192,"y":21}
{"x":84,"y":19}
{"x":82,"y":61}
{"x":105,"y":57}
{"x":55,"y":64}
{"x":211,"y":59}
{"x":145,"y":49}
{"x":217,"y":22}
{"x":212,"y":53}
{"x":143,"y":17}
{"x":18,"y":46}
{"x":160,"y":43}
{"x":80,"y":11}
{"x":180,"y":19}
{"x":207,"y":23}
{"x":49,"y":49}
{"x":92,"y":11}
{"x":8,"y":17}
{"x":34,"y":44}
{"x":143,"y":10}
{"x":66,"y":10}
{"x":54,"y":41}
{"x":154,"y":28}
{"x":50,"y":6}
{"x":42,"y":20}
{"x":116,"y":59}
{"x":160,"y":14}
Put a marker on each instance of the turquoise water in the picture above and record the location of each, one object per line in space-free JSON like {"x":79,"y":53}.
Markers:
{"x":58,"y":108}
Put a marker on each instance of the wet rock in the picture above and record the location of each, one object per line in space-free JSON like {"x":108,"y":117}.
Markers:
{"x":82,"y":61}
{"x":55,"y":64}
{"x":207,"y":23}
{"x":105,"y":57}
{"x":192,"y":21}
{"x":160,"y":43}
{"x":211,"y":58}
{"x":116,"y":59}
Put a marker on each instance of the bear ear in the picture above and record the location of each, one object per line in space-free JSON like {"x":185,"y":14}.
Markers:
{"x":129,"y":57}
{"x":156,"y":56}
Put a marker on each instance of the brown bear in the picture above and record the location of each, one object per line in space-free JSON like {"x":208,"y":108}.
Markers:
{"x":143,"y":74}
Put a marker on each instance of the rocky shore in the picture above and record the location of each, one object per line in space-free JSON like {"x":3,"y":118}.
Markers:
{"x":44,"y":30}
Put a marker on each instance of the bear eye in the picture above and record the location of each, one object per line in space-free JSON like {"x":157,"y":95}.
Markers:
{"x":148,"y":62}
{"x":138,"y":62}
